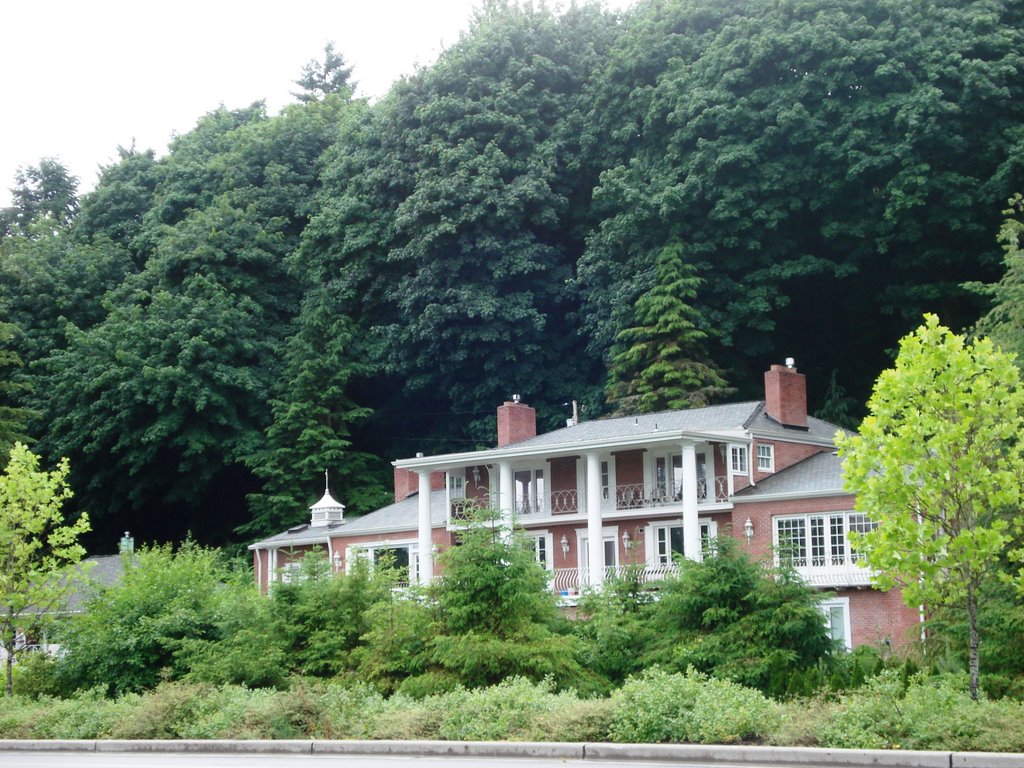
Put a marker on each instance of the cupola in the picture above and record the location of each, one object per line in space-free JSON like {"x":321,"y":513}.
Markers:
{"x":328,"y":510}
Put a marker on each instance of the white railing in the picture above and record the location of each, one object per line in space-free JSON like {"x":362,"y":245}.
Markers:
{"x":570,"y":582}
{"x":638,"y":496}
{"x":563,"y":502}
{"x":835,"y":575}
{"x":719,"y":485}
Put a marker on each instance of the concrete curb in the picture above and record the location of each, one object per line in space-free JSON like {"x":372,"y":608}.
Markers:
{"x":708,"y":754}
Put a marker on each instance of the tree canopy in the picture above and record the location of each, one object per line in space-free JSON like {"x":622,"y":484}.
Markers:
{"x":343,"y":283}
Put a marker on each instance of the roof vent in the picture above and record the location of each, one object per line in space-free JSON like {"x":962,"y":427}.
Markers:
{"x":327,"y":510}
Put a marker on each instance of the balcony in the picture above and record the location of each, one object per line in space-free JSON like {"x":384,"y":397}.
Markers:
{"x":638,"y":496}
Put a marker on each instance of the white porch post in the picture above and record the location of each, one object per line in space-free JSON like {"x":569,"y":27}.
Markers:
{"x":691,"y":526}
{"x":595,"y":544}
{"x":425,"y":544}
{"x":506,"y":493}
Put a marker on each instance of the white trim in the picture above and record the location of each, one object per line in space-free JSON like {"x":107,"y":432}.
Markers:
{"x":770,"y":457}
{"x":549,"y":543}
{"x":794,"y":495}
{"x":844,"y":603}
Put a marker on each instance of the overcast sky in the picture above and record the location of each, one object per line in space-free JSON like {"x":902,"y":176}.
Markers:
{"x":83,"y":77}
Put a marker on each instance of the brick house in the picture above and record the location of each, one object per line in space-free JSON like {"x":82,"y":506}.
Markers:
{"x":599,"y":496}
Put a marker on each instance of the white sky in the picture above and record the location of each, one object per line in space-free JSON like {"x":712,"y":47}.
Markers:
{"x":81,"y":77}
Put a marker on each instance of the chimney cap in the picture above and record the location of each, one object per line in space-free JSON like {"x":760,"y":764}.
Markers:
{"x":790,"y":362}
{"x":515,"y":398}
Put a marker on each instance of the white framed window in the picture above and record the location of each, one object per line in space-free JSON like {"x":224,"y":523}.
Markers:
{"x":766,"y":457}
{"x":542,"y":548}
{"x":402,"y":555}
{"x":837,"y":620}
{"x":610,"y":548}
{"x":738,"y":459}
{"x":529,"y":491}
{"x":668,"y":477}
{"x":818,"y":540}
{"x":668,"y":541}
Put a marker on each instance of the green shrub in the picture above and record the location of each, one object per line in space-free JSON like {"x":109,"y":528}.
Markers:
{"x":661,"y":707}
{"x":582,"y":720}
{"x":87,"y":715}
{"x":342,"y":711}
{"x":926,"y":713}
{"x":35,"y":675}
{"x":503,"y":712}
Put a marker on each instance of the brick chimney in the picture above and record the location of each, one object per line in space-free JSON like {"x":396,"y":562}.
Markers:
{"x":785,"y":395}
{"x":407,"y":483}
{"x":516,"y":422}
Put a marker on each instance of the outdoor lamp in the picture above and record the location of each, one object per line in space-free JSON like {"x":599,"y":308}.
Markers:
{"x":748,"y":530}
{"x":565,"y":545}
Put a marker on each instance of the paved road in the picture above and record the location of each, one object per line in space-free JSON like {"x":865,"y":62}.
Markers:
{"x":173,"y":760}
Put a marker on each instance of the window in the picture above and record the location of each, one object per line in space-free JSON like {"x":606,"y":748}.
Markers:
{"x":668,"y":541}
{"x":529,"y":489}
{"x":542,"y":543}
{"x":668,"y":477}
{"x":819,"y":541}
{"x":738,"y":459}
{"x":402,"y":557}
{"x":837,"y":620}
{"x":766,"y":458}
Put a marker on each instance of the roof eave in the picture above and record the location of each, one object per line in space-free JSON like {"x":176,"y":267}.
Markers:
{"x":511,"y":453}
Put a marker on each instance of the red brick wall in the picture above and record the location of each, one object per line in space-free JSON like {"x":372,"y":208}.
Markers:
{"x":629,"y":467}
{"x":785,"y":395}
{"x":407,"y":483}
{"x":516,"y":422}
{"x":879,"y":616}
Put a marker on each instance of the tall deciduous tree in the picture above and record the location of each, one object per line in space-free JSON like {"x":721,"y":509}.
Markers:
{"x":939,"y":465}
{"x":661,"y":362}
{"x":39,"y":550}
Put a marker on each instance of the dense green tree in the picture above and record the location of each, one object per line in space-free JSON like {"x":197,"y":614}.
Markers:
{"x":1004,"y":322}
{"x":731,"y":617}
{"x":129,"y":635}
{"x":321,"y":78}
{"x":939,"y":464}
{"x":13,"y":416}
{"x":822,"y":160}
{"x":39,"y":550}
{"x":45,"y":191}
{"x":456,"y":212}
{"x":312,"y":417}
{"x":496,"y":613}
{"x":661,"y":363}
{"x":123,"y":195}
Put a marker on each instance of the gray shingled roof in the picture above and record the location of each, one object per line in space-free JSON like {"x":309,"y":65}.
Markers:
{"x":732,"y":416}
{"x":820,"y":473}
{"x":400,"y":516}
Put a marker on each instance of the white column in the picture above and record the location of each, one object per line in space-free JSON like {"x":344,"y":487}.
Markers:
{"x":506,"y":493}
{"x":425,"y":544}
{"x":595,"y":544}
{"x":691,"y":526}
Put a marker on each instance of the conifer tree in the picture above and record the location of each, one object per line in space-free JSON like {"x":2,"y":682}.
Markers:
{"x":661,"y":363}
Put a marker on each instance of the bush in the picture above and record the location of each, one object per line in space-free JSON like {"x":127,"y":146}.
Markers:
{"x":504,"y":712}
{"x":35,"y":675}
{"x":923,"y":713}
{"x":692,"y":708}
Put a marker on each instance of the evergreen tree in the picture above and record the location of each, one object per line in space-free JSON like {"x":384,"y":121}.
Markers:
{"x":312,"y":415}
{"x":46,"y":190}
{"x":320,"y":78}
{"x":661,"y":363}
{"x":1004,"y":323}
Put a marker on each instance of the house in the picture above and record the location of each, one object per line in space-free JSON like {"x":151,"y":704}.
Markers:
{"x":598,"y":496}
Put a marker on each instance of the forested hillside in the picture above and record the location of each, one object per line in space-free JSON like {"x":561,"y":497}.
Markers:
{"x":344,"y":283}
